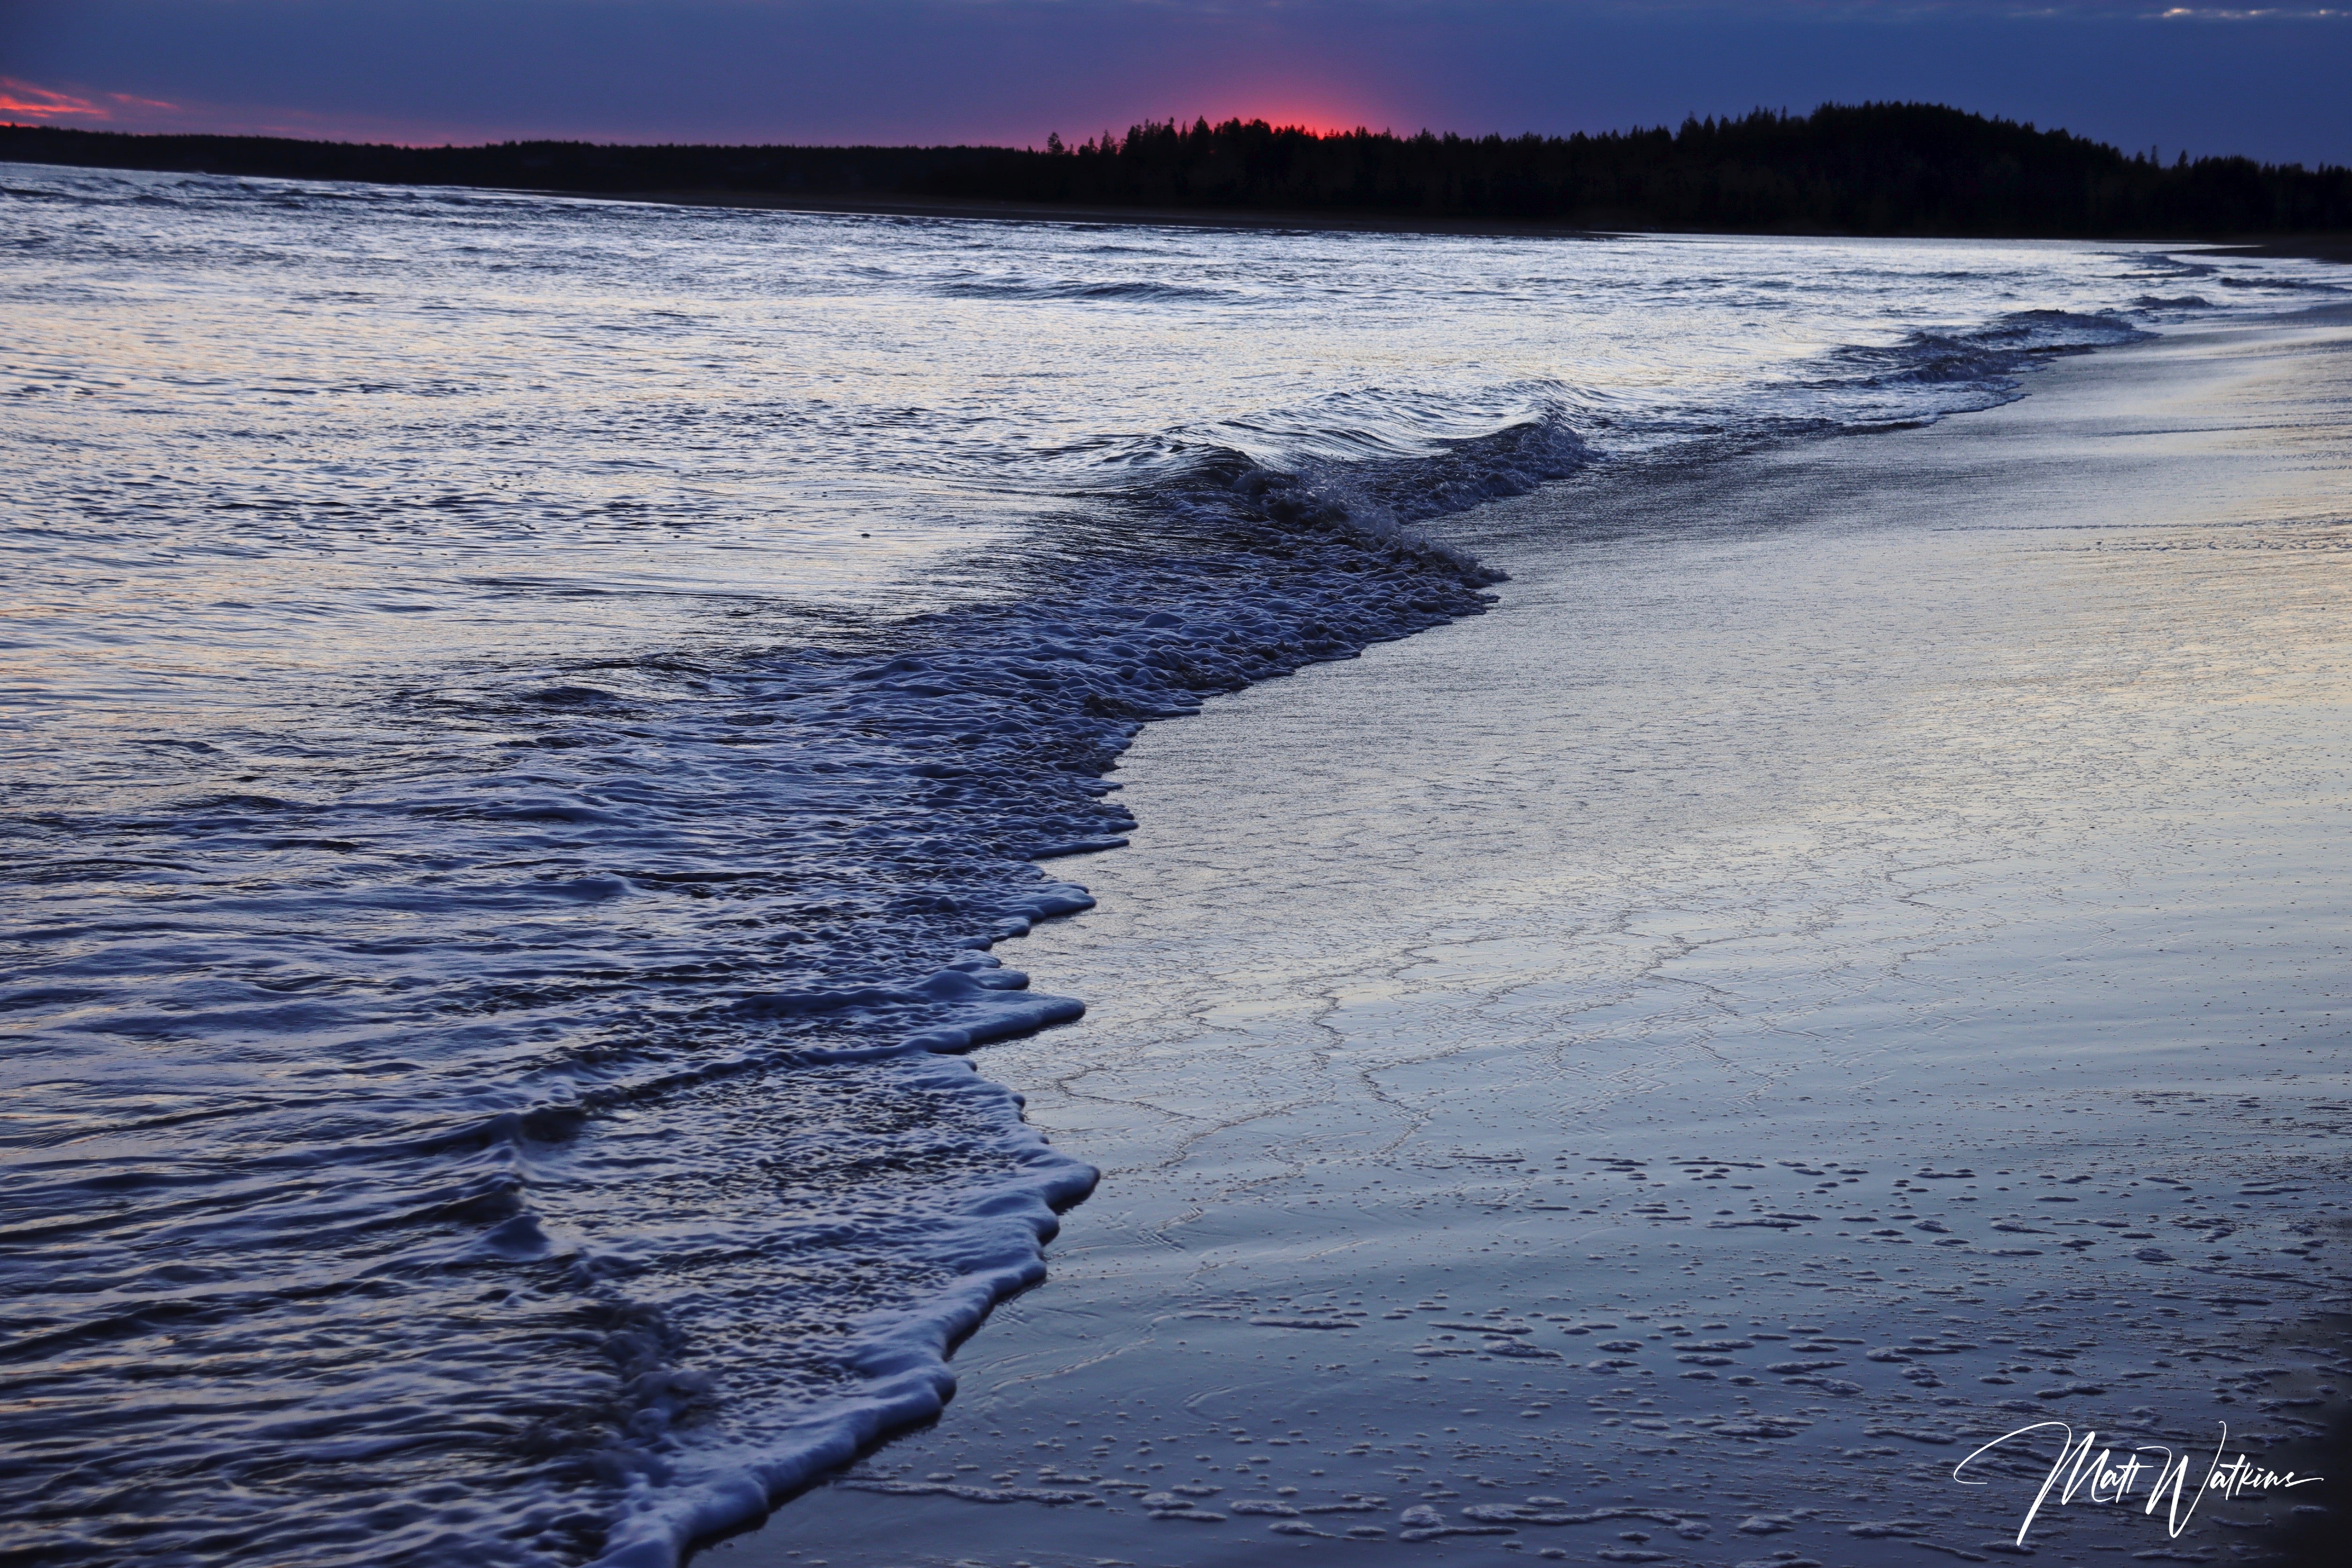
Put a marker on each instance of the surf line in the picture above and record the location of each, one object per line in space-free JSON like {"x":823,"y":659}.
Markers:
{"x":2106,"y":1479}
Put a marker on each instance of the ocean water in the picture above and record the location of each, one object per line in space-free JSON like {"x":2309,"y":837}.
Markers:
{"x":529,"y":723}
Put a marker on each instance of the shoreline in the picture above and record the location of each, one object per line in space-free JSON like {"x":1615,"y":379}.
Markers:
{"x":1356,"y":1062}
{"x":2318,"y":247}
{"x":2333,"y":247}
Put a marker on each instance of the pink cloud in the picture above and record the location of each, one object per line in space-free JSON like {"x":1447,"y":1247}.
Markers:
{"x":47,"y":103}
{"x":24,"y":101}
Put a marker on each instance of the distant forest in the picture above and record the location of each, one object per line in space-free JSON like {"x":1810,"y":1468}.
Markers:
{"x":1868,"y":169}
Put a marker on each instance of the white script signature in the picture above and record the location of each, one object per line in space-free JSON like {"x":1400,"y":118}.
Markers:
{"x":2106,"y":1477}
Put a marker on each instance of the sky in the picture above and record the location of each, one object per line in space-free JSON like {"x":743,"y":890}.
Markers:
{"x":2269,"y":81}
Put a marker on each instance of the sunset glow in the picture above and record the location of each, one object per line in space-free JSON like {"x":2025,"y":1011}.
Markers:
{"x":23,"y":102}
{"x":42,"y":103}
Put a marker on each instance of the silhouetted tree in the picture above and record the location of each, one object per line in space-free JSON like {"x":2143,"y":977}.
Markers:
{"x":1872,"y":168}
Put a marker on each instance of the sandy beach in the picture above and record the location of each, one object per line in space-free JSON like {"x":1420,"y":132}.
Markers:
{"x":1845,"y":962}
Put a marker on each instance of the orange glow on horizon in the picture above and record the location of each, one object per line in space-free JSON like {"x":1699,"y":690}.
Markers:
{"x":1321,"y":121}
{"x":1324,"y":118}
{"x":1315,"y":122}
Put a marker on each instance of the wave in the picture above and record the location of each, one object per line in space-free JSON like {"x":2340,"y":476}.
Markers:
{"x":1380,"y":463}
{"x":633,"y":1008}
{"x":2286,"y":285}
{"x":1988,"y":355}
{"x":1100,"y":290}
{"x":2166,"y":264}
{"x":1378,"y":500}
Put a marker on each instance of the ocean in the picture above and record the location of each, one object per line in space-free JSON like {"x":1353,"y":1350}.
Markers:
{"x":533,"y":725}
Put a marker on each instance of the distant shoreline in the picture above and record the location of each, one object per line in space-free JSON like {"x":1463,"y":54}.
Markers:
{"x":2334,"y":247}
{"x":2337,"y":248}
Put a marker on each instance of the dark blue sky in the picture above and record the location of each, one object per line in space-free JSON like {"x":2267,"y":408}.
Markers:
{"x":2271,"y":83}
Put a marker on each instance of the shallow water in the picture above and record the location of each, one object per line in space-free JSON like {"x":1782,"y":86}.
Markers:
{"x":526,"y":717}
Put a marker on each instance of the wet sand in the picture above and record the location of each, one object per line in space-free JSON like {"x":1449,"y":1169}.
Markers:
{"x":1845,"y":962}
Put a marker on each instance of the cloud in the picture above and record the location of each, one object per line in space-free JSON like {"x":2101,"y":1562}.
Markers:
{"x":2267,"y":14}
{"x":37,"y":102}
{"x":81,"y":106}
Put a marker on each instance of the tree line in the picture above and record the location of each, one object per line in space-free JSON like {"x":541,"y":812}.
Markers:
{"x":1864,"y":169}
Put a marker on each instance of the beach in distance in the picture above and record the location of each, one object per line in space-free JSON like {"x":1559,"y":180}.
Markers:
{"x":2317,"y":247}
{"x":902,"y":885}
